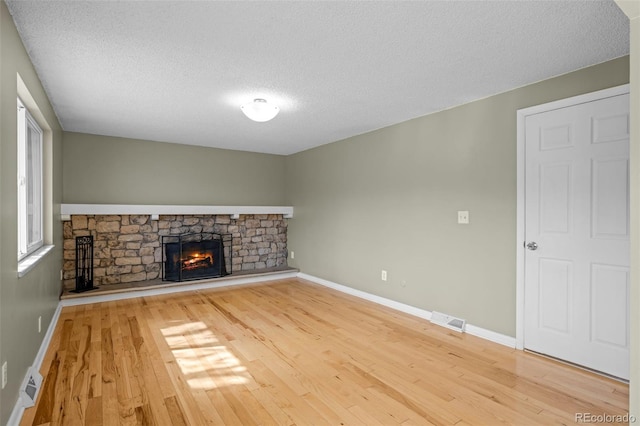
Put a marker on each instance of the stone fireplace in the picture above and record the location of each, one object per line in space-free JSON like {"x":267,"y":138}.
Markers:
{"x":128,"y":247}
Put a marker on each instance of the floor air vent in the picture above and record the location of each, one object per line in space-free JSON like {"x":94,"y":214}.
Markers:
{"x":30,"y":388}
{"x":448,"y":321}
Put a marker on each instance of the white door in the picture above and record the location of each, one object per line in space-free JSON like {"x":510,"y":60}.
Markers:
{"x":576,"y":265}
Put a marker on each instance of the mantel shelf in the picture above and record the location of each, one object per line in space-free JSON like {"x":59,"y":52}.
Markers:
{"x":66,"y":210}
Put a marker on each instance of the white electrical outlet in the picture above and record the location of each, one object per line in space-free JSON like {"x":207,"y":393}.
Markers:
{"x":383,"y":275}
{"x":4,"y":374}
{"x":293,"y":255}
{"x":463,"y":217}
{"x":40,"y":324}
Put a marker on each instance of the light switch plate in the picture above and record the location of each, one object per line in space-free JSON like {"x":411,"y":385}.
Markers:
{"x":463,"y":217}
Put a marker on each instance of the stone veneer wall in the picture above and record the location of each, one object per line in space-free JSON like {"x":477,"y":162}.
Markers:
{"x":127,"y":248}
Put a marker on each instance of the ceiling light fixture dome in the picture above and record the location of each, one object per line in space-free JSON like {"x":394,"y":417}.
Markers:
{"x":260,"y":110}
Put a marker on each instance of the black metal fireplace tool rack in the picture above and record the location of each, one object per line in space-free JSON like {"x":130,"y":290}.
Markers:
{"x":84,"y":264}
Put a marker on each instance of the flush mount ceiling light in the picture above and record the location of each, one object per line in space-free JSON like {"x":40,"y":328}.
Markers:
{"x":260,"y":110}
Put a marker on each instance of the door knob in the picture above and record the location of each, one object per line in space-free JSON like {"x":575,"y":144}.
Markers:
{"x":532,"y":246}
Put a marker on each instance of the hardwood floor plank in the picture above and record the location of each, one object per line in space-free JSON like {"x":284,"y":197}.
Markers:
{"x":46,"y":399}
{"x":282,"y":394}
{"x":93,"y":414}
{"x":406,"y":399}
{"x":175,"y":412}
{"x":291,"y":352}
{"x":79,"y":392}
{"x":365,"y":417}
{"x":266,"y":399}
{"x":154,"y":385}
{"x":229,"y":412}
{"x":333,"y":414}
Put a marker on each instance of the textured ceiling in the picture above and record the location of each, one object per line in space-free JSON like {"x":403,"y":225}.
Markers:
{"x":178,"y":71}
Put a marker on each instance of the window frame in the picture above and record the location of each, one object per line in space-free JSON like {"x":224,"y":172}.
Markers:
{"x":30,"y":179}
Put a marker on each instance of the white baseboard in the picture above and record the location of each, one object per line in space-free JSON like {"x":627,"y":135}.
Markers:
{"x":18,"y":409}
{"x":492,"y":336}
{"x":411,"y":310}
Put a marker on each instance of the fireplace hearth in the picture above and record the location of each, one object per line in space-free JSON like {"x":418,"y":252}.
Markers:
{"x":194,"y":256}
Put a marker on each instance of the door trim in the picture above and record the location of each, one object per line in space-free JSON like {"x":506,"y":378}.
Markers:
{"x":522,"y":114}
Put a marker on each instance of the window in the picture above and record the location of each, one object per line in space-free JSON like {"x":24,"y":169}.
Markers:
{"x":29,"y":183}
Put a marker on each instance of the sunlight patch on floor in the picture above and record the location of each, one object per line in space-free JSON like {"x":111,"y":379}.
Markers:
{"x":204,"y":362}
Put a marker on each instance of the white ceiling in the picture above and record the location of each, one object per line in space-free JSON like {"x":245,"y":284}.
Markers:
{"x":178,"y":71}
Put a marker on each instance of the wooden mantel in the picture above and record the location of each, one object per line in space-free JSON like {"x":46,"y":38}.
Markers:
{"x":66,"y":210}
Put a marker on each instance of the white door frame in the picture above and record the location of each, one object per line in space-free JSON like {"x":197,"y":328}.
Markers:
{"x":520,"y":207}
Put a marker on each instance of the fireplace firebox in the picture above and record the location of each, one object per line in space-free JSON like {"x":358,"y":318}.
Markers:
{"x":194,"y":256}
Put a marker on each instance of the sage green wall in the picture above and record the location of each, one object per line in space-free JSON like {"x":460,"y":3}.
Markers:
{"x":109,"y":170}
{"x":22,"y":300}
{"x":388,"y":200}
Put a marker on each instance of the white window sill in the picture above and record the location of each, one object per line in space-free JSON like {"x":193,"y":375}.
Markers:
{"x":28,"y":263}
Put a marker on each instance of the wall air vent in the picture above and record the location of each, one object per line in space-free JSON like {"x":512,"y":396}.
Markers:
{"x":448,"y":321}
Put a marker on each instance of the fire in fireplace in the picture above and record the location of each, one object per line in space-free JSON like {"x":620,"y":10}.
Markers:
{"x":197,"y":261}
{"x":193,"y":256}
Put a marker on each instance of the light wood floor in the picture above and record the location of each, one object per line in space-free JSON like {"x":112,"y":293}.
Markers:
{"x":291,"y":352}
